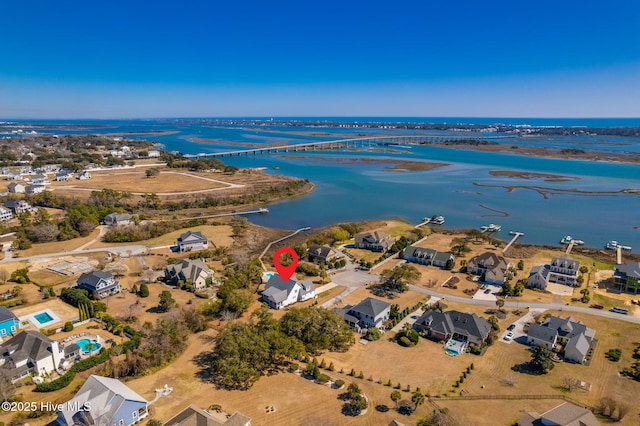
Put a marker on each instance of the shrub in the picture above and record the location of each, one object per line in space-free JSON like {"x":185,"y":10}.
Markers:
{"x":614,"y":354}
{"x":323,"y":378}
{"x":293,"y":366}
{"x":68,"y":326}
{"x":144,"y":290}
{"x":373,"y":334}
{"x":404,"y":341}
{"x":339,"y":383}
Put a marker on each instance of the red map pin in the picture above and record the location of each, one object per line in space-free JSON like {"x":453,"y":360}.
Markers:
{"x":285,"y":272}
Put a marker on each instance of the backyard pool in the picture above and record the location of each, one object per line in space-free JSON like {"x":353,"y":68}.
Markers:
{"x":84,"y":345}
{"x":43,"y":317}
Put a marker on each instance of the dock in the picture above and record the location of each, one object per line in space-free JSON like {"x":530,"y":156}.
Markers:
{"x":619,"y":255}
{"x":261,"y":210}
{"x":516,"y":235}
{"x":570,"y":246}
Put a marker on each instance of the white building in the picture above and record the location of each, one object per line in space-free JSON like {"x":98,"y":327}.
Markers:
{"x":278,"y":293}
{"x":5,"y":214}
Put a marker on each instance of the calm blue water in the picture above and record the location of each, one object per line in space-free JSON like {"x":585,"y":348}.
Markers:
{"x":84,"y":343}
{"x":354,"y":192}
{"x":43,"y":317}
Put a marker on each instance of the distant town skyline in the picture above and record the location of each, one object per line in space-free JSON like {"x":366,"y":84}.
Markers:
{"x":204,"y":59}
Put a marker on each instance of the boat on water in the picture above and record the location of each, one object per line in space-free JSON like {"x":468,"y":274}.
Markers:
{"x":435,"y":219}
{"x":613,"y":245}
{"x":567,"y":239}
{"x":492,"y":227}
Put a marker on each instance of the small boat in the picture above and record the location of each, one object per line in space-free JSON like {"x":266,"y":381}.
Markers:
{"x":492,"y":227}
{"x":613,"y":245}
{"x":263,"y":210}
{"x":436,"y":220}
{"x":567,"y":239}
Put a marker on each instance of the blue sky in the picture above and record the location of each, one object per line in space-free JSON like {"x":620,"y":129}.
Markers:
{"x":71,"y":59}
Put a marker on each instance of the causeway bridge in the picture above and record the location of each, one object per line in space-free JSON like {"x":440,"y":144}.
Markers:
{"x":365,"y":142}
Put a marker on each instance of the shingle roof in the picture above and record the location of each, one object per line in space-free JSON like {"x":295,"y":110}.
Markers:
{"x":28,"y":344}
{"x":190,"y":269}
{"x":194,"y":416}
{"x":489,"y":260}
{"x":456,"y":322}
{"x":568,"y":414}
{"x":92,"y":279}
{"x":370,"y":306}
{"x":192,"y":237}
{"x":6,"y":314}
{"x":540,"y":332}
{"x":630,"y":269}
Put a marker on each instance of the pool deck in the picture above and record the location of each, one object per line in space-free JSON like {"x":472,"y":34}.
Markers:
{"x":60,"y":310}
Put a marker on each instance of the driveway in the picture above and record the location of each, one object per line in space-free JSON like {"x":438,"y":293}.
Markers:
{"x":518,"y":332}
{"x":491,"y":296}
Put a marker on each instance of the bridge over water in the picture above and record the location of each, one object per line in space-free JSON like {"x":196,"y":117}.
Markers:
{"x":366,"y":142}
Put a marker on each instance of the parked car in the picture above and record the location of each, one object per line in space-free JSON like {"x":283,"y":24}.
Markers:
{"x":487,"y":291}
{"x":511,"y":327}
{"x":596,"y":306}
{"x":508,"y":336}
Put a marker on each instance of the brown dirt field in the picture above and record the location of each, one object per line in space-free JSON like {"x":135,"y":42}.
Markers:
{"x":59,"y":246}
{"x":403,"y":300}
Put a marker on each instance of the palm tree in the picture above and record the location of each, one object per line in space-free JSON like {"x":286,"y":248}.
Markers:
{"x":418,"y":398}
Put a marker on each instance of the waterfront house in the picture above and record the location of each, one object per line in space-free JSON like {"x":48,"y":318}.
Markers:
{"x":116,"y":219}
{"x":561,"y":270}
{"x":321,"y":253}
{"x":16,"y":188}
{"x":154,"y":153}
{"x":192,"y":241}
{"x":279,"y":293}
{"x":195,"y":270}
{"x":368,"y":313}
{"x":30,"y":353}
{"x":456,"y":325}
{"x":566,"y":336}
{"x":103,"y":401}
{"x":565,"y":414}
{"x":102,"y":282}
{"x":18,"y":206}
{"x":194,"y":416}
{"x":9,"y":323}
{"x":427,"y":256}
{"x":5,"y":214}
{"x":374,"y":241}
{"x":627,"y":277}
{"x":84,"y":175}
{"x":490,"y":267}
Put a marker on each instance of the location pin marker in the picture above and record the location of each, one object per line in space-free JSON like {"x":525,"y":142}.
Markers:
{"x":285,"y":272}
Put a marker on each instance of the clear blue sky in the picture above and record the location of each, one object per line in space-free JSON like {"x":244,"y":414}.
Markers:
{"x":112,"y":59}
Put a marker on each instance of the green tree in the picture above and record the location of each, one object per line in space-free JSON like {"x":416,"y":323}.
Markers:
{"x":166,"y":301}
{"x":500,"y":304}
{"x":399,"y":278}
{"x":417,"y":398}
{"x":459,"y":246}
{"x":68,"y":326}
{"x":144,"y":290}
{"x":396,"y":396}
{"x":318,"y":329}
{"x":520,"y":265}
{"x":152,"y":172}
{"x":541,"y":360}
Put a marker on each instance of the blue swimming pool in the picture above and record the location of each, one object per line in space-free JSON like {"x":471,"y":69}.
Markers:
{"x":84,"y":343}
{"x":43,"y":317}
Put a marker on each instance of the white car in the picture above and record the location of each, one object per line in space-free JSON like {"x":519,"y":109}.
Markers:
{"x":508,"y":336}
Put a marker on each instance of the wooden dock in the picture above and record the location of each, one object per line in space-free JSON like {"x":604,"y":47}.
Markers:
{"x":516,"y":235}
{"x":569,"y":247}
{"x":261,"y":210}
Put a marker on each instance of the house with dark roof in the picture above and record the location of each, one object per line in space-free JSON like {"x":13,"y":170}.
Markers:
{"x":565,"y":414}
{"x":490,"y":267}
{"x":18,"y":206}
{"x":35,"y":189}
{"x":367,"y":314}
{"x":63,"y":175}
{"x":279,"y":293}
{"x":103,"y":401}
{"x":571,"y":339}
{"x":115,"y":219}
{"x":84,"y":175}
{"x":16,"y":188}
{"x":321,"y":253}
{"x":192,"y":241}
{"x":9,"y":322}
{"x":194,"y":416}
{"x":102,"y":282}
{"x":561,"y":270}
{"x":456,"y":325}
{"x":427,"y":256}
{"x":374,"y":241}
{"x":30,"y":353}
{"x":627,"y":277}
{"x":195,"y":270}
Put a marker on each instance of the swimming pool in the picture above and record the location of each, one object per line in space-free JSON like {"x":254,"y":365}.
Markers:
{"x":84,"y":343}
{"x":43,"y":317}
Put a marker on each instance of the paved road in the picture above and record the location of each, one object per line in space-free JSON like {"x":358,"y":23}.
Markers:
{"x":123,"y":251}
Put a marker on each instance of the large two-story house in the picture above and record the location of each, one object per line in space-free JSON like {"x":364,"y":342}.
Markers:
{"x":490,"y":267}
{"x":18,"y":206}
{"x":367,"y":314}
{"x":318,"y":253}
{"x":279,"y":293}
{"x":456,"y":325}
{"x":627,"y":277}
{"x":374,"y":241}
{"x":192,"y":241}
{"x":102,"y":282}
{"x":561,"y":270}
{"x":103,"y":401}
{"x":427,"y":256}
{"x":32,"y":353}
{"x":195,"y":270}
{"x":565,"y":335}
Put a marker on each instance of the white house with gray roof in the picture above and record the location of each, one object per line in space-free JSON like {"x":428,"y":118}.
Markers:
{"x":195,"y":270}
{"x":103,"y":401}
{"x":279,"y":293}
{"x":31,"y":353}
{"x":192,"y":241}
{"x":367,"y":314}
{"x":490,"y":267}
{"x":115,"y":219}
{"x":561,"y":270}
{"x":564,"y":335}
{"x":102,"y":282}
{"x":427,"y":256}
